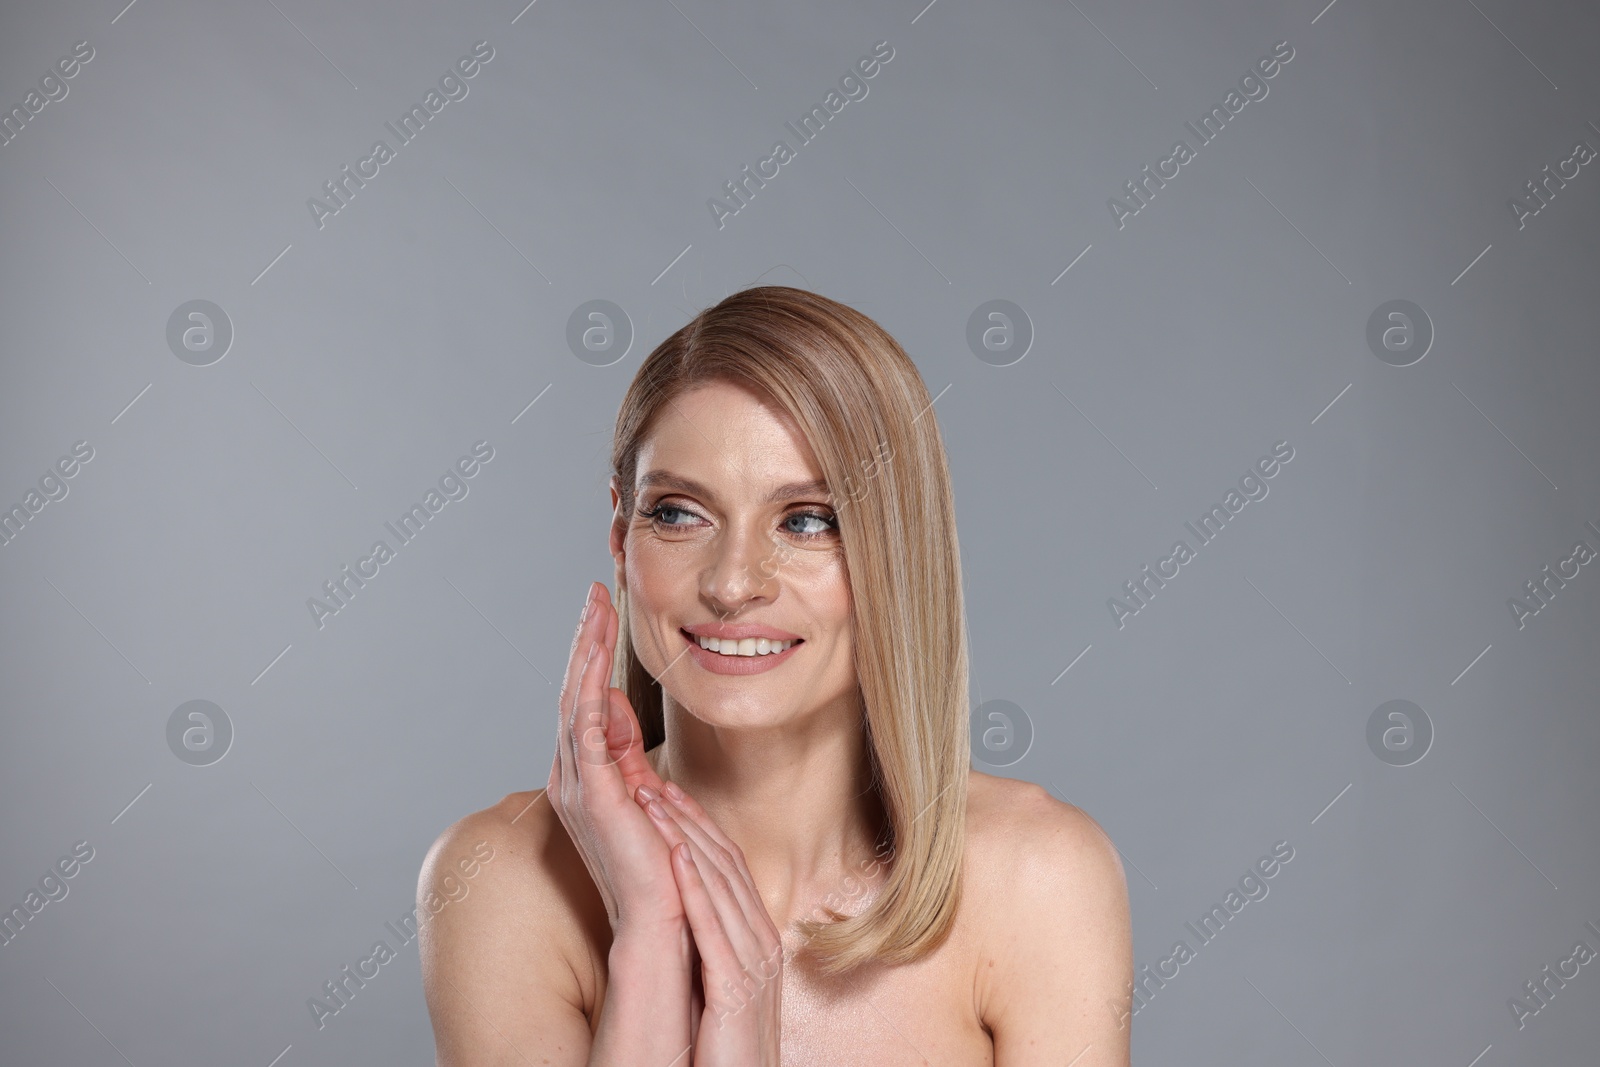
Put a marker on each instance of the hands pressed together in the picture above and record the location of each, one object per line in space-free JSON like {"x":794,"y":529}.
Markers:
{"x":675,"y":886}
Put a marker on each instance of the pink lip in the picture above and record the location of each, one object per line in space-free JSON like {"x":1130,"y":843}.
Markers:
{"x":717,"y":663}
{"x":739,"y":631}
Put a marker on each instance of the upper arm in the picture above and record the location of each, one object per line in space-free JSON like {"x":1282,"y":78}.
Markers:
{"x":1064,"y":946}
{"x":499,"y":990}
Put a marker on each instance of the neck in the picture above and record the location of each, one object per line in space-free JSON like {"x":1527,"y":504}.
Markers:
{"x":796,"y":798}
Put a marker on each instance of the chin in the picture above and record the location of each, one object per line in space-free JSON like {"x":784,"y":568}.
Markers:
{"x":732,"y":711}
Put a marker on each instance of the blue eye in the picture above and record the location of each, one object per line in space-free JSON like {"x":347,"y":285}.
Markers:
{"x":829,"y":523}
{"x":657,"y":511}
{"x":825,"y":523}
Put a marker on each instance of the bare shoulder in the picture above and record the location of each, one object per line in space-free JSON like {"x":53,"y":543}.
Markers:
{"x":1011,"y":822}
{"x":1057,"y":943}
{"x":522,"y":828}
{"x":535,"y":884}
{"x":505,"y":908}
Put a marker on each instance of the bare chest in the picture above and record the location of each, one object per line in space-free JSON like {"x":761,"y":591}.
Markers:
{"x":913,"y":1014}
{"x":909,"y":1015}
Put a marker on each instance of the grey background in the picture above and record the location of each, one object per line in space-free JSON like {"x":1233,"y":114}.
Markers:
{"x":370,"y":354}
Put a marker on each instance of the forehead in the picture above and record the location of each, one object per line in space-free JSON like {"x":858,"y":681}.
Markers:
{"x":721,"y":434}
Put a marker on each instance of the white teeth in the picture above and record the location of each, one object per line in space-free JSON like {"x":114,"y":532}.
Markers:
{"x":749,"y":646}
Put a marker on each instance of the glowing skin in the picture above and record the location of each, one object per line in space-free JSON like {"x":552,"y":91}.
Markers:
{"x":785,"y":741}
{"x":726,"y":555}
{"x":776,"y":758}
{"x":1039,"y":961}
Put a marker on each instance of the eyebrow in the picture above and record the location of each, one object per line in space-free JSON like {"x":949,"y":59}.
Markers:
{"x":791,"y":491}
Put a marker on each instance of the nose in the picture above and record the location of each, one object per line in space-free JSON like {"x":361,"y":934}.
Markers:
{"x":744,"y":567}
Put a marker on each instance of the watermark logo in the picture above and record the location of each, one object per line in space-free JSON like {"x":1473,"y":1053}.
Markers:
{"x":1251,"y":886}
{"x":852,"y":488}
{"x":1540,"y":191}
{"x":594,"y":743}
{"x":342,"y":589}
{"x":999,"y":333}
{"x":52,"y":89}
{"x":342,"y":988}
{"x":199,"y":333}
{"x":852,"y":86}
{"x":1252,"y":487}
{"x":452,"y":86}
{"x":1541,"y":591}
{"x":1542,"y":988}
{"x":52,"y":887}
{"x":1252,"y":86}
{"x":1002,"y":733}
{"x":1399,"y":733}
{"x":599,"y":333}
{"x":1399,"y":333}
{"x":199,"y":732}
{"x":52,"y":487}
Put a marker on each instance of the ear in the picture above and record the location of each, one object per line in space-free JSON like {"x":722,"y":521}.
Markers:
{"x":619,"y":530}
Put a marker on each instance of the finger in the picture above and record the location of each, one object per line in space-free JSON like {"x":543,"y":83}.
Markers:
{"x":661,"y":817}
{"x":705,"y":923}
{"x":688,"y":804}
{"x":735,"y":963}
{"x":603,"y":597}
{"x":588,"y":715}
{"x":625,"y":743}
{"x":565,"y":771}
{"x":722,"y":886}
{"x":566,"y":750}
{"x":585,"y":632}
{"x":552,"y":785}
{"x":594,"y":724}
{"x":577,"y":659}
{"x":728,"y":858}
{"x":624,"y":735}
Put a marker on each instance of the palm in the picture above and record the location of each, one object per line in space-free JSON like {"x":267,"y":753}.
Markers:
{"x":624,"y":738}
{"x":625,"y":744}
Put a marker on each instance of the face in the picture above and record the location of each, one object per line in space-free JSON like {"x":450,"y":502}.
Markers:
{"x":732,"y":535}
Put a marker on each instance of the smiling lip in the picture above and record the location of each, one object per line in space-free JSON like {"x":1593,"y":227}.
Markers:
{"x":739,"y":631}
{"x":717,"y":663}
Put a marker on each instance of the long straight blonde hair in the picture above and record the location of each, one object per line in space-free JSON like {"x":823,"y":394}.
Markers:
{"x":866,"y":413}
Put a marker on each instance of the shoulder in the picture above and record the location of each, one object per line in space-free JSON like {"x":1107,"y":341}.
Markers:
{"x":530,"y":872}
{"x":1017,"y":827}
{"x":504,"y":907}
{"x":1056,"y":935}
{"x":520,"y":828}
{"x":1017,"y":816}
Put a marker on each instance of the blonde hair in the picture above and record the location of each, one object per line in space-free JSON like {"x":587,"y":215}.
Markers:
{"x":868,"y":418}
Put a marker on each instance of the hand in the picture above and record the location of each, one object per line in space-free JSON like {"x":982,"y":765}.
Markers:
{"x":739,"y":1003}
{"x":599,"y":761}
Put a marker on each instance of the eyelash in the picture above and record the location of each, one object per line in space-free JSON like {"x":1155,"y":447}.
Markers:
{"x":654,"y":515}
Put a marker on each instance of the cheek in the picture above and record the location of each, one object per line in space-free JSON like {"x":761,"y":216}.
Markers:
{"x":657,"y":571}
{"x":660,"y":583}
{"x":819,"y":595}
{"x":822,"y":580}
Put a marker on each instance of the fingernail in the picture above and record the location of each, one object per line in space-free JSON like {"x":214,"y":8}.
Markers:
{"x":588,"y":602}
{"x":672,"y":790}
{"x":656,"y":809}
{"x":646,"y":793}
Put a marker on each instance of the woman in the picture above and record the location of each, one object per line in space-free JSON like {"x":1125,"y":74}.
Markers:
{"x":761,"y":842}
